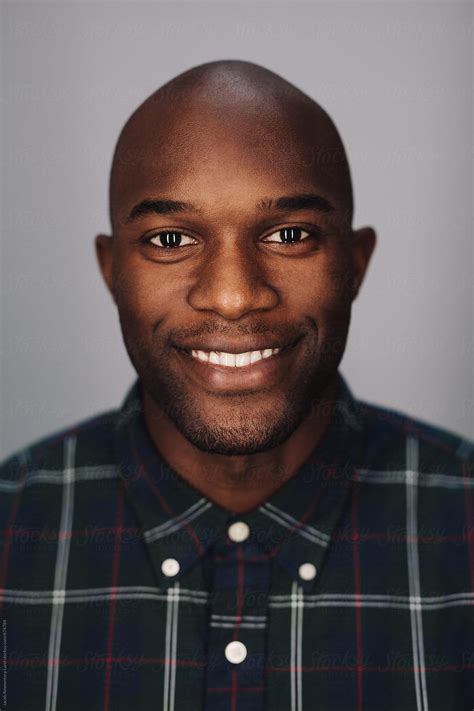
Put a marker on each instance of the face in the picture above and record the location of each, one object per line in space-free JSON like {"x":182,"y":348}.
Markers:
{"x":237,"y":272}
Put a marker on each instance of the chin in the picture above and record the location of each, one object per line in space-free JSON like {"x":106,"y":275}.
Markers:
{"x":239,"y":431}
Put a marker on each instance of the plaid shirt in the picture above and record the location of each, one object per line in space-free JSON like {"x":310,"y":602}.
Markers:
{"x":123,"y":589}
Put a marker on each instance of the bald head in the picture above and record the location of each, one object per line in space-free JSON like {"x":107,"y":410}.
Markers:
{"x":236,"y":106}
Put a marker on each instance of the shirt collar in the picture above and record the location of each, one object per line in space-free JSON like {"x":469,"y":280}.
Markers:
{"x":295,"y":525}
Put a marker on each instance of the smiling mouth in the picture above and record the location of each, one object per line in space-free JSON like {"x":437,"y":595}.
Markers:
{"x":235,"y":360}
{"x":225,"y":373}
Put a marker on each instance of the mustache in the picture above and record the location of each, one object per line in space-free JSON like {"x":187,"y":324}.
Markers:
{"x":285,"y":332}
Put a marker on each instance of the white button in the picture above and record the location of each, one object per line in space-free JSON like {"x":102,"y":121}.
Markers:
{"x":307,"y":571}
{"x":238,"y":532}
{"x":235,"y":652}
{"x":170,"y":567}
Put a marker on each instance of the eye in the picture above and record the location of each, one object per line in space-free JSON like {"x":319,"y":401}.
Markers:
{"x":169,"y":239}
{"x":291,"y":236}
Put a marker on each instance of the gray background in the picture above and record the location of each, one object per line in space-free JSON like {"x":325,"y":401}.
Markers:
{"x":396,"y":78}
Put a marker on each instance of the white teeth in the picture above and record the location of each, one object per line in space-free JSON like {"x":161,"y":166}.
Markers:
{"x":236,"y":360}
{"x":242,"y":359}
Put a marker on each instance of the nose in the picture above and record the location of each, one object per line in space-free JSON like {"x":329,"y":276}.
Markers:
{"x":232,"y":281}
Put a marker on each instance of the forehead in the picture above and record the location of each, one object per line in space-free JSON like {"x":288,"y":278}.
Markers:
{"x":217,"y":158}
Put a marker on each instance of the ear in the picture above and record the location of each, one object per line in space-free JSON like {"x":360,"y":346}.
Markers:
{"x":362,"y":245}
{"x":104,"y":253}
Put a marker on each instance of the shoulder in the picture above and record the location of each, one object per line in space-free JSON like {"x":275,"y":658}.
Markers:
{"x":398,"y":441}
{"x":89,"y":442}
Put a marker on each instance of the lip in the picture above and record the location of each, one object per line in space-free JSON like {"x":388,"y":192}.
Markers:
{"x":236,"y":346}
{"x":254,"y":376}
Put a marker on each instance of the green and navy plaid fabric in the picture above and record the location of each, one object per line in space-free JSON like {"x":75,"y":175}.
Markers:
{"x":122,"y":587}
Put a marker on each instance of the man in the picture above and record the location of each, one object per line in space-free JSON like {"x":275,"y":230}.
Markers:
{"x":243,"y":533}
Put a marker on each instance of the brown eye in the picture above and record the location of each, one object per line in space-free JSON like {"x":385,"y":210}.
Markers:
{"x":290,"y":236}
{"x":169,"y":239}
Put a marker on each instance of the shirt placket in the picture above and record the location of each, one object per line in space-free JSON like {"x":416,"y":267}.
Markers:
{"x":237,"y":622}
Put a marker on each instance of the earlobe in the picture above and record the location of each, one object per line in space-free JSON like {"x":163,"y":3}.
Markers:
{"x":363,"y":245}
{"x":104,"y":253}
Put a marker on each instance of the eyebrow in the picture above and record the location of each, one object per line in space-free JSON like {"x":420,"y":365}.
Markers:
{"x":288,"y":203}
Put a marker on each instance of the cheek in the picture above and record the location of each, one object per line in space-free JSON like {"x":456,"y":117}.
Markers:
{"x":337,"y":288}
{"x":320,"y":288}
{"x":142,"y":294}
